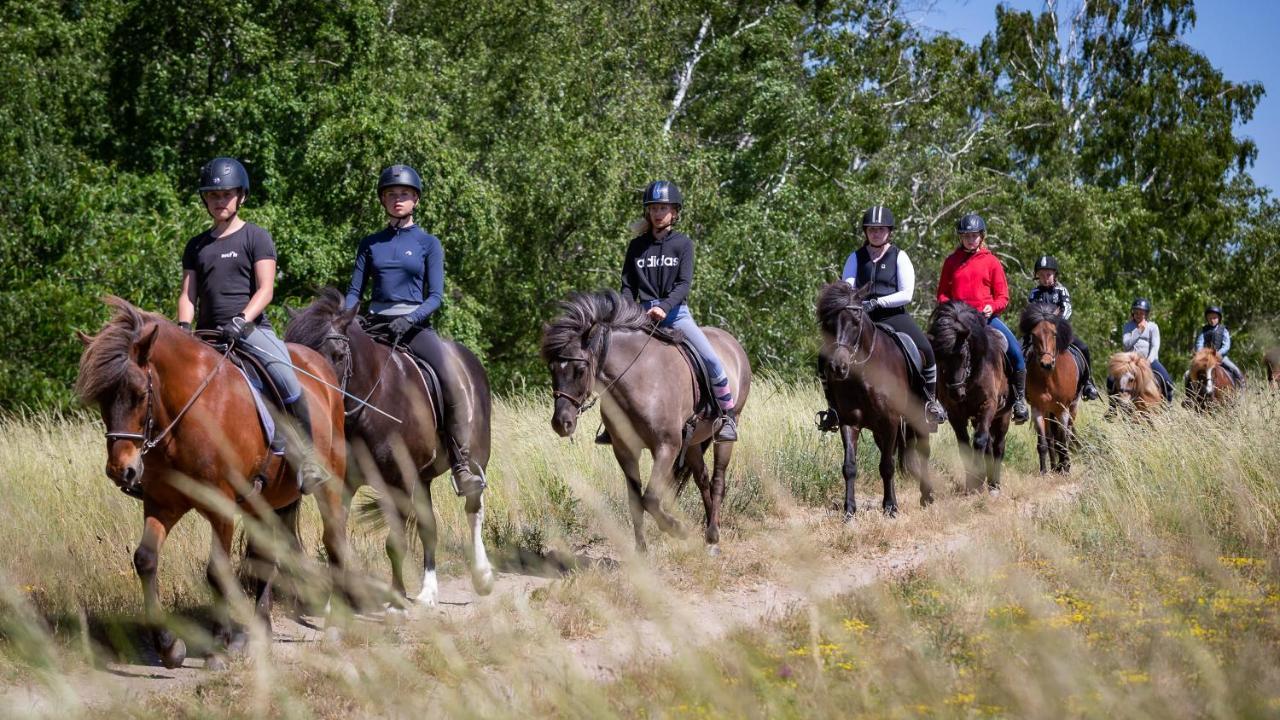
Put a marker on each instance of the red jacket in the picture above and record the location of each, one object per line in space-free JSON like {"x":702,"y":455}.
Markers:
{"x":977,"y":279}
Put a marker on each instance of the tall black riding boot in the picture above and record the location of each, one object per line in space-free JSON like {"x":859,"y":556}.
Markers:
{"x":829,"y":419}
{"x":933,"y":410}
{"x":458,"y":431}
{"x":1090,"y":391}
{"x":310,"y":472}
{"x":1020,"y":410}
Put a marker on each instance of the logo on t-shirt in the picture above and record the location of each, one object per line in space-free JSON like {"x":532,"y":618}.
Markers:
{"x":232,"y":254}
{"x":409,"y":253}
{"x":657,"y":261}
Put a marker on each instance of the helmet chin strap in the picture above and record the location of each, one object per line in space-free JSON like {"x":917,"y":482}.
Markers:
{"x":399,"y":221}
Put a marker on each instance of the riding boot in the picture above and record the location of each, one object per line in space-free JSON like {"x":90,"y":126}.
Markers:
{"x":604,"y":438}
{"x":458,"y":432}
{"x":1090,"y":391}
{"x":728,"y":430}
{"x":1020,"y":410}
{"x":309,"y":471}
{"x":829,"y":419}
{"x":933,"y":410}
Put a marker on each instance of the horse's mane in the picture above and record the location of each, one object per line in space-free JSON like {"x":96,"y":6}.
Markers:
{"x":1204,"y":361}
{"x":582,"y":310}
{"x":108,"y":356}
{"x":832,"y":299}
{"x":949,"y":319}
{"x":310,"y":326}
{"x":1035,"y":314}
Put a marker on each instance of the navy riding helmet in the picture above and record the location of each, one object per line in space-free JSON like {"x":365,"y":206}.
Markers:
{"x":663,"y":191}
{"x":401,"y":175}
{"x":224,"y":173}
{"x":1142,"y":304}
{"x":971,"y":223}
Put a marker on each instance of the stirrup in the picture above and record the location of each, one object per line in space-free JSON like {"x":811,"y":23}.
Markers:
{"x":728,"y":430}
{"x":934,"y":412}
{"x":464,"y":481}
{"x":603,"y":437}
{"x":828,"y":420}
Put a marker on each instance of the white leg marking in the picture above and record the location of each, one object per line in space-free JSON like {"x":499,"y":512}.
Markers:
{"x":430,"y":592}
{"x":481,"y":571}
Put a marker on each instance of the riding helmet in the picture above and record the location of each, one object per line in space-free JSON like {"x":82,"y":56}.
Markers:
{"x":400,"y":175}
{"x":224,"y":173}
{"x":1142,"y":304}
{"x":970,"y":223}
{"x":663,"y":191}
{"x":878,"y":216}
{"x":1046,"y":262}
{"x":1215,"y":309}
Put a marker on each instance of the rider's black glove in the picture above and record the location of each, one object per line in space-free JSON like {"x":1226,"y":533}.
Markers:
{"x":400,"y":326}
{"x":237,"y":329}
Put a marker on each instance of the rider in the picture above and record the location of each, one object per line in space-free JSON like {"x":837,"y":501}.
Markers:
{"x":888,"y":271}
{"x":657,"y":272}
{"x":228,"y":273}
{"x":1215,"y":335}
{"x":405,"y":265}
{"x":974,"y":275}
{"x":1142,"y":336}
{"x":1048,"y":291}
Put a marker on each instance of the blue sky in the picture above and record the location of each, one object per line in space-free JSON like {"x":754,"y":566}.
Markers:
{"x":1238,"y":37}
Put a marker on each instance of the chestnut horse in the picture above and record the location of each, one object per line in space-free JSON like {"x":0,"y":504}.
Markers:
{"x":1136,"y":387}
{"x":1209,"y":385}
{"x":1053,"y":384}
{"x":606,"y":345}
{"x":174,"y":402}
{"x":405,"y":456}
{"x":868,"y":377}
{"x":1272,"y":360}
{"x":976,"y":389}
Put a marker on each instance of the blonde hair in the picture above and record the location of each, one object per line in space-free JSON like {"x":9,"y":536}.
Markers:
{"x":641,"y":225}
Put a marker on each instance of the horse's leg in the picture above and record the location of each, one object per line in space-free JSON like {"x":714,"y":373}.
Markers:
{"x":157,"y":523}
{"x":425,"y":516}
{"x":332,"y":500}
{"x":917,"y":464}
{"x":960,"y":426}
{"x":981,"y":453}
{"x":722,"y":453}
{"x":1042,"y":441}
{"x":629,"y":461}
{"x":399,"y":506}
{"x":222,"y":580}
{"x":481,"y":570}
{"x":661,"y":488}
{"x":696,"y":466}
{"x":999,"y":436}
{"x":888,"y":447}
{"x":1064,"y":441}
{"x":849,"y":435}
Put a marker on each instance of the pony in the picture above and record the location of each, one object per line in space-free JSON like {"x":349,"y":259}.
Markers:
{"x":394,"y":435}
{"x":1135,"y":386}
{"x":868,"y":377}
{"x":1209,"y":386}
{"x":144,"y":373}
{"x":976,"y":389}
{"x":1053,"y":384}
{"x":601,"y":343}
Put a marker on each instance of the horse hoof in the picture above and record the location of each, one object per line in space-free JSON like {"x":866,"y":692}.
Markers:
{"x":238,"y":642}
{"x":713,"y":550}
{"x":848,"y":518}
{"x":215,"y":663}
{"x":891,"y":511}
{"x":174,"y":655}
{"x":482,"y":581}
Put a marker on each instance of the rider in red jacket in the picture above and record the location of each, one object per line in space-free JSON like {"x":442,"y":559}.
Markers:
{"x":974,"y":275}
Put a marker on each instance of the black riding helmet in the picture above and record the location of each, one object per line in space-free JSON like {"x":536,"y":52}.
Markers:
{"x":971,"y":222}
{"x":1046,"y":262}
{"x":1215,"y":309}
{"x":663,"y":191}
{"x":400,"y":175}
{"x":224,"y":173}
{"x":1142,"y":304}
{"x":879,"y":216}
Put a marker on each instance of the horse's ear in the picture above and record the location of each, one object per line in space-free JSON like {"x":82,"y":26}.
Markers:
{"x":342,"y":320}
{"x":142,"y":348}
{"x":84,"y":339}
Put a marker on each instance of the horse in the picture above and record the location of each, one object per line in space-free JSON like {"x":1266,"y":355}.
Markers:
{"x":873,"y":392}
{"x":1136,"y":388}
{"x":1209,"y":385}
{"x":1053,"y":384}
{"x":405,"y":452}
{"x":603,"y":344}
{"x":145,"y":373}
{"x":1272,"y":360}
{"x":976,"y":389}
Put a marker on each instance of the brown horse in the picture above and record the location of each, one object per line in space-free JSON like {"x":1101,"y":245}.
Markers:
{"x":604,"y":344}
{"x":406,"y":451}
{"x":1209,"y":385}
{"x":866,"y":372}
{"x":1053,"y":384}
{"x":976,"y":389}
{"x":171,"y":401}
{"x":1272,"y":360}
{"x":1135,"y":386}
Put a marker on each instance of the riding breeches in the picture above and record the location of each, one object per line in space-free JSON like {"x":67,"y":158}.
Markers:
{"x":1014,"y":351}
{"x":263,"y":344}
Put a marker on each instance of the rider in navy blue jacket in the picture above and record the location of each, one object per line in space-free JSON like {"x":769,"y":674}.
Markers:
{"x":405,"y":266}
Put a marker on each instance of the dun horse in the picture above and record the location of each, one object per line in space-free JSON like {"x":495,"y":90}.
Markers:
{"x":182,"y":435}
{"x":1053,"y":385}
{"x":1135,"y":386}
{"x":605,"y":345}
{"x":1209,"y":385}
{"x":976,"y":389}
{"x":867,"y":374}
{"x":401,"y":455}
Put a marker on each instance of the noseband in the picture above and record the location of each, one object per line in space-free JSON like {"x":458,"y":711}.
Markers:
{"x":966,"y":365}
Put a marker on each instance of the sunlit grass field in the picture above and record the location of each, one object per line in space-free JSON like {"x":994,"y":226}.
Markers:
{"x":1148,"y":590}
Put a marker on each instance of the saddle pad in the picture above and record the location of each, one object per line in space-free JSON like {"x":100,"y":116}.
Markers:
{"x":915,"y":366}
{"x":704,"y":403}
{"x":1082,"y":367}
{"x":264,"y":415}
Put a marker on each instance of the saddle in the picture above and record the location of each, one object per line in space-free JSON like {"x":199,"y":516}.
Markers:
{"x":430,"y":380}
{"x":258,"y":380}
{"x":915,"y":365}
{"x":1082,"y":367}
{"x":704,"y":395}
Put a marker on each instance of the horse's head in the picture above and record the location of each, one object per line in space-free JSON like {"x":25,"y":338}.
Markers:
{"x":326,"y":327}
{"x":573,"y":346}
{"x":841,"y":318}
{"x":956,"y":333}
{"x":1133,"y":383}
{"x":116,"y":375}
{"x":1050,"y":334}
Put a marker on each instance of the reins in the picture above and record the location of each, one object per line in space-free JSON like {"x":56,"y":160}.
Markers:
{"x":587,"y":402}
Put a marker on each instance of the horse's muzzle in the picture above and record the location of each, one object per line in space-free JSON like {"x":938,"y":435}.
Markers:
{"x":126,"y":473}
{"x":1047,"y":364}
{"x":564,"y":419}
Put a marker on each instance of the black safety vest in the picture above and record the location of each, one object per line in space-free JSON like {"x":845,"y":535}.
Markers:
{"x":882,"y":275}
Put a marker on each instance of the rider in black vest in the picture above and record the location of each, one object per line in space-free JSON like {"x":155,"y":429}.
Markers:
{"x":888,"y":272}
{"x":1049,"y":291}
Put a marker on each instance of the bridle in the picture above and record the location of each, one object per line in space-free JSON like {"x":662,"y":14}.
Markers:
{"x":966,"y":365}
{"x":144,"y":438}
{"x":586,"y":402}
{"x":347,"y":370}
{"x":857,"y":343}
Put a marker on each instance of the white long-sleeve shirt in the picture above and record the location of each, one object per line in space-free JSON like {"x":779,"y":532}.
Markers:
{"x":1146,"y":342}
{"x":906,"y":279}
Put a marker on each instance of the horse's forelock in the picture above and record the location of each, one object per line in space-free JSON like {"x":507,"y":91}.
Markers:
{"x":107,"y":359}
{"x":833,"y":298}
{"x":310,"y":326}
{"x":1205,"y":360}
{"x":580,"y":311}
{"x":950,"y":319}
{"x":1035,"y":314}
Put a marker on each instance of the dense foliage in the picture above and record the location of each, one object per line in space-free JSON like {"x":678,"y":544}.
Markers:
{"x":1099,"y":137}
